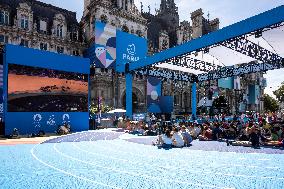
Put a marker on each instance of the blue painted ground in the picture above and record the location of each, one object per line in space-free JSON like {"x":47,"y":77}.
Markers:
{"x":109,"y":160}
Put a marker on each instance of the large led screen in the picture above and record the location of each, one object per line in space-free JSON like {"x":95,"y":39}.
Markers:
{"x":32,"y":89}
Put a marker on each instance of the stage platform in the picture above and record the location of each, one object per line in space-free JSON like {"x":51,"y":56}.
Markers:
{"x":111,"y":159}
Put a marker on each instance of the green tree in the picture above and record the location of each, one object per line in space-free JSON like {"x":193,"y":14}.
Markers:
{"x":104,"y":109}
{"x":270,"y":104}
{"x":279,"y":93}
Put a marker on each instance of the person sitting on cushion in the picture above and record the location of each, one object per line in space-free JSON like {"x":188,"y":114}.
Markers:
{"x":177,"y":138}
{"x":206,"y":135}
{"x":186,"y":136}
{"x":254,"y":137}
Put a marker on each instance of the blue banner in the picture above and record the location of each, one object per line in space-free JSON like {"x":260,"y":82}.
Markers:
{"x":254,"y":93}
{"x":130,"y":48}
{"x":113,"y":48}
{"x":33,"y":122}
{"x":226,"y":83}
{"x":164,"y":104}
{"x":154,"y":92}
{"x":139,"y":117}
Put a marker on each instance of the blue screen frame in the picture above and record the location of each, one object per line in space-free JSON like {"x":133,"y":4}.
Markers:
{"x":32,"y":122}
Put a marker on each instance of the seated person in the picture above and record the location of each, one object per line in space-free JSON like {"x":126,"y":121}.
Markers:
{"x":231,"y":132}
{"x":254,"y":137}
{"x":191,"y":128}
{"x":15,"y":133}
{"x":164,"y":140}
{"x":167,"y":139}
{"x":206,"y":135}
{"x":216,"y":132}
{"x":141,"y":130}
{"x":177,"y":138}
{"x":274,"y":136}
{"x":267,"y":133}
{"x":195,"y":133}
{"x":244,"y":134}
{"x":186,"y":136}
{"x":282,"y":134}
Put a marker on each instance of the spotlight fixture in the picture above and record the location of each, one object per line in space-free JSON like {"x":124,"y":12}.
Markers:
{"x":258,"y":34}
{"x":206,"y":50}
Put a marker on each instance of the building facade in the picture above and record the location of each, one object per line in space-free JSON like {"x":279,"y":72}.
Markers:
{"x":162,"y":29}
{"x":34,"y":24}
{"x":42,"y":26}
{"x":105,"y":83}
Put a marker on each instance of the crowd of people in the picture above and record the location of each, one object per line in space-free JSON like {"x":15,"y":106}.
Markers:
{"x":42,"y":72}
{"x":251,"y":129}
{"x":49,"y":103}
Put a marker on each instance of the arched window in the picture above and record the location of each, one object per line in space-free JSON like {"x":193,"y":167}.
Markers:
{"x":4,"y":17}
{"x":112,"y":23}
{"x":125,"y":29}
{"x":139,"y":33}
{"x":104,"y":19}
{"x":59,"y":30}
{"x":24,"y":22}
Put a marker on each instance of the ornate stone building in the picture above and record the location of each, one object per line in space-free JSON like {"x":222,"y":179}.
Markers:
{"x":34,"y":24}
{"x":105,"y":83}
{"x":165,"y":31}
{"x":42,"y":26}
{"x":162,"y":29}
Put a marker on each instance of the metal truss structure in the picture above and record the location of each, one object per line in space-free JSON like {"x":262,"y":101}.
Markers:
{"x":267,"y":61}
{"x":230,"y":71}
{"x":167,"y":74}
{"x":186,"y":61}
{"x":248,"y":48}
{"x":231,"y":37}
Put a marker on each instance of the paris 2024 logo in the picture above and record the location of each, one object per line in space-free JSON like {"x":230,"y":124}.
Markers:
{"x":130,"y":55}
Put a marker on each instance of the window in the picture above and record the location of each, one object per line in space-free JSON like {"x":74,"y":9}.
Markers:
{"x":60,"y":50}
{"x":104,"y":19}
{"x":59,"y":31}
{"x":42,"y":26}
{"x":125,"y":29}
{"x":104,"y":70}
{"x":139,"y":33}
{"x":76,"y":53}
{"x":4,"y":17}
{"x":24,"y":43}
{"x":43,"y":46}
{"x":3,"y":39}
{"x":73,"y":36}
{"x":24,"y":22}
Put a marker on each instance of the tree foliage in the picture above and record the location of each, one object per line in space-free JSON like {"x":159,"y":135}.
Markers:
{"x":279,"y":93}
{"x":270,"y":104}
{"x":104,"y":109}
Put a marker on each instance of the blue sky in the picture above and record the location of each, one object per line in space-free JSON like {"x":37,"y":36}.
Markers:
{"x":228,"y":11}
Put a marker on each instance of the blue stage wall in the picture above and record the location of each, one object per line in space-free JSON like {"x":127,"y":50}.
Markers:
{"x":32,"y":122}
{"x":43,"y":59}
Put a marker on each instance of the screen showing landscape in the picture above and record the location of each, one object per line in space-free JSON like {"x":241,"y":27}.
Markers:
{"x":32,"y":89}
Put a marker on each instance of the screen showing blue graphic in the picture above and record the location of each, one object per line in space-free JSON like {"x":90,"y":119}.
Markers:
{"x":226,"y":83}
